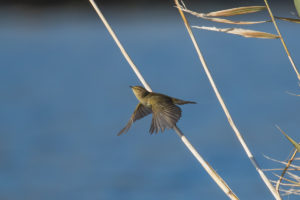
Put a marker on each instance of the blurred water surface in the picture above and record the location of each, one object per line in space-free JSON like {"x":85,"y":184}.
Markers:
{"x":64,"y":96}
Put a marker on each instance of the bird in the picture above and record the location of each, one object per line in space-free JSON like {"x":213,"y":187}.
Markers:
{"x":164,"y":109}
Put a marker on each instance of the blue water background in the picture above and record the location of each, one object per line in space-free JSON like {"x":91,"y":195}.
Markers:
{"x":64,"y":96}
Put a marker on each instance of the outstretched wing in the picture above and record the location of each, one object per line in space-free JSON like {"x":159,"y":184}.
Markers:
{"x":139,"y":112}
{"x":165,"y":115}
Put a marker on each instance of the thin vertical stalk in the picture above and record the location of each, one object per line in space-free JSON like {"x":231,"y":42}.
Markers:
{"x":220,"y":99}
{"x":282,"y":40}
{"x":221,"y":183}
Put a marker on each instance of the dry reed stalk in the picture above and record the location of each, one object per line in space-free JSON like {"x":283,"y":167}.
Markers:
{"x":282,"y":41}
{"x":230,"y":120}
{"x":221,"y":183}
{"x":288,"y":182}
{"x":280,"y":169}
{"x":285,"y":169}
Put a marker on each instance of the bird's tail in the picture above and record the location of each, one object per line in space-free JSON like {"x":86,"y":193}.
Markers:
{"x":181,"y":102}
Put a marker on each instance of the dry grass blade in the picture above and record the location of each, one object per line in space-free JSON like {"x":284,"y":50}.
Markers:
{"x":281,"y":162}
{"x":280,"y":169}
{"x":294,"y":176}
{"x":236,"y":11}
{"x":289,"y":19}
{"x":287,"y":184}
{"x":242,"y":32}
{"x":290,"y":192}
{"x":227,"y":21}
{"x":296,"y":145}
{"x":220,"y":20}
{"x":295,"y":183}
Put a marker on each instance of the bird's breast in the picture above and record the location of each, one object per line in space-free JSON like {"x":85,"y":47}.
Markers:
{"x":146,"y":102}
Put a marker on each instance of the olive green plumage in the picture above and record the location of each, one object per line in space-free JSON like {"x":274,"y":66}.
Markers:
{"x":165,"y":113}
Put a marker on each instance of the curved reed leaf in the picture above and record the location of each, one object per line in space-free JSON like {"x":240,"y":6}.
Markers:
{"x":296,"y":145}
{"x":220,"y":20}
{"x":227,"y":21}
{"x":289,"y":19}
{"x":236,"y":11}
{"x":242,"y":32}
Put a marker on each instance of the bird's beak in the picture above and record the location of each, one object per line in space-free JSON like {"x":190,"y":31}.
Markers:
{"x":131,"y":86}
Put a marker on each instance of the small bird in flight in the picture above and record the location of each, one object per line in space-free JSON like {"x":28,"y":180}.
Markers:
{"x":165,"y":113}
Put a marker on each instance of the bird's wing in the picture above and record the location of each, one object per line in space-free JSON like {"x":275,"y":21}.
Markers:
{"x":165,"y":115}
{"x":139,"y":112}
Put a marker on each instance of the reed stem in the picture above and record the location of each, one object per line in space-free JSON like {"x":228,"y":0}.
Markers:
{"x":220,"y":99}
{"x":282,"y":40}
{"x":285,"y":169}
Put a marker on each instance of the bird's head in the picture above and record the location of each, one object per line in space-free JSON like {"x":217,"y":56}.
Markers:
{"x":139,"y":91}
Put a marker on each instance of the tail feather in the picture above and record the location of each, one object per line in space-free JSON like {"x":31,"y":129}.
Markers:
{"x":181,"y":102}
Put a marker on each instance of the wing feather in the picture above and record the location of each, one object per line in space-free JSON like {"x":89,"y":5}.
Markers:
{"x":165,"y":115}
{"x":139,"y":112}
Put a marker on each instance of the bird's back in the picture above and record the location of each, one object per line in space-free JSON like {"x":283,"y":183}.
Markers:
{"x":157,"y":98}
{"x":167,"y":99}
